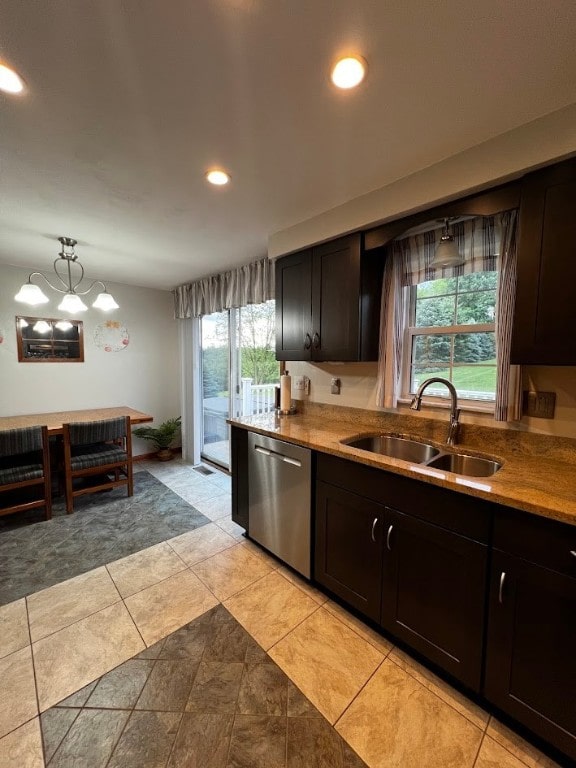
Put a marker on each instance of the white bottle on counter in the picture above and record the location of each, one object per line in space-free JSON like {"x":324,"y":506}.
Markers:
{"x":285,"y":392}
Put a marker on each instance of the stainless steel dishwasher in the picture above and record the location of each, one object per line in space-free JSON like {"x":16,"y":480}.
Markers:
{"x":279,"y":489}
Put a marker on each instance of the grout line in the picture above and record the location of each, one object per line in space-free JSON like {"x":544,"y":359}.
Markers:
{"x":479,"y":749}
{"x":433,"y":692}
{"x":353,"y":699}
{"x":77,"y":621}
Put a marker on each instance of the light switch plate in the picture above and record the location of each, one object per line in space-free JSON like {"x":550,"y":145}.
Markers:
{"x":539,"y":405}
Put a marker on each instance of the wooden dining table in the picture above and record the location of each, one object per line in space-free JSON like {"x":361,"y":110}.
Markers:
{"x":56,"y":419}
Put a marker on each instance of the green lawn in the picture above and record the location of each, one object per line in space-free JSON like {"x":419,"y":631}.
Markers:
{"x":474,"y":378}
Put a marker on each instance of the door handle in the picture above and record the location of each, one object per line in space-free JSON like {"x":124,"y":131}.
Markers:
{"x":265,"y":451}
{"x":289,"y":460}
{"x":316,"y":341}
{"x":374,"y":529}
{"x":501,"y":587}
{"x":573,"y":552}
{"x":388,"y":542}
{"x":307,"y":341}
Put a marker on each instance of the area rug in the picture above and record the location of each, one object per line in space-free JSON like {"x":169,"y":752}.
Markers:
{"x":104,"y":527}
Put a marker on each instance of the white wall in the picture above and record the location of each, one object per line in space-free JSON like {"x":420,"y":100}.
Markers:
{"x":144,"y":375}
{"x":537,"y":143}
{"x":359,"y":391}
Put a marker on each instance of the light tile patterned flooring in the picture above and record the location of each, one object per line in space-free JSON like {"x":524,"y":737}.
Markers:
{"x":391,"y":710}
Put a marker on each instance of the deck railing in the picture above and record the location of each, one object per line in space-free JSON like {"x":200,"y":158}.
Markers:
{"x":256,"y":398}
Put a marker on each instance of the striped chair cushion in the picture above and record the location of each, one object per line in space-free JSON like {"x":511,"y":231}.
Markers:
{"x":18,"y":474}
{"x":86,"y":456}
{"x":86,"y":432}
{"x":25,"y":440}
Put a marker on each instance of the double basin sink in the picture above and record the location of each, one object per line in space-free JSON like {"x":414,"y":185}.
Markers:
{"x":420,"y":452}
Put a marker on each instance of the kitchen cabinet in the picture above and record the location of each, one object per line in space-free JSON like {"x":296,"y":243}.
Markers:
{"x":349,"y":547}
{"x":411,"y":557}
{"x":434,"y":592}
{"x":328,"y":302}
{"x":545,"y":311}
{"x":530,"y":660}
{"x":239,"y":471}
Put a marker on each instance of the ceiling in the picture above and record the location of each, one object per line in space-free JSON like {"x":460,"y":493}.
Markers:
{"x":128,"y":104}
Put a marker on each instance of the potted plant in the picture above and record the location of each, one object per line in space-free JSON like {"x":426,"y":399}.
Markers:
{"x":162,"y":437}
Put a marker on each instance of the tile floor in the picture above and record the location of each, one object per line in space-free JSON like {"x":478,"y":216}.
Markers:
{"x":391,"y":711}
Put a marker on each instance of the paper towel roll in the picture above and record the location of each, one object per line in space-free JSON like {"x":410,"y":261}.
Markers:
{"x":285,"y":392}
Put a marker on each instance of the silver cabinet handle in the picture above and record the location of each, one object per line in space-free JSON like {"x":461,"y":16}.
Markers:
{"x":307,"y":341}
{"x":316,"y":341}
{"x":501,"y":588}
{"x":265,"y":451}
{"x":573,"y":552}
{"x":374,"y":529}
{"x":388,"y":535}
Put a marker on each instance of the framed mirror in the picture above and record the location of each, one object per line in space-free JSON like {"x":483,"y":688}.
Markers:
{"x":45,"y":340}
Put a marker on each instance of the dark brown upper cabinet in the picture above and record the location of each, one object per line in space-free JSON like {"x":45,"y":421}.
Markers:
{"x":45,"y":340}
{"x":545,"y":309}
{"x":328,"y":302}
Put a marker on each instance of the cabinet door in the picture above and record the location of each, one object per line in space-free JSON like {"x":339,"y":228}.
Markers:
{"x":545,"y":311}
{"x":336,"y":300}
{"x":531,"y":659}
{"x":433,"y":594}
{"x":239,"y":471}
{"x":294,"y":306}
{"x":348,"y":552}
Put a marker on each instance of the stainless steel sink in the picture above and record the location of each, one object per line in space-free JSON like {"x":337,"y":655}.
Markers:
{"x":395,"y":447}
{"x":461,"y":464}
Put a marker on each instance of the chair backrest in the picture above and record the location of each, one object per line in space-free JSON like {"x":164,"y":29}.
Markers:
{"x":85,"y":432}
{"x":17,"y":441}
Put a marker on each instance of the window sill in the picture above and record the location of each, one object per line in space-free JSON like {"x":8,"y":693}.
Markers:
{"x":469,"y":406}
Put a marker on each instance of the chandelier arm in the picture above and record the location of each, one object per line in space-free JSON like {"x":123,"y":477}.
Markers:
{"x":41,"y":274}
{"x":94,"y":282}
{"x":67,"y":285}
{"x":70,"y":275}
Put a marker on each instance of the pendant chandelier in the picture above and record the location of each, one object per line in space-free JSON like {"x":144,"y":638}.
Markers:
{"x":30,"y":293}
{"x":447,"y":254}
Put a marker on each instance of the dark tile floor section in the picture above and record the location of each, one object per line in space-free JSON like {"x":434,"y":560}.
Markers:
{"x":104,"y":527}
{"x":207,"y":696}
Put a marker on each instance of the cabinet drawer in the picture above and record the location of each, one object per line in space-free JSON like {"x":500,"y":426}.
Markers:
{"x":456,"y":512}
{"x":542,"y":541}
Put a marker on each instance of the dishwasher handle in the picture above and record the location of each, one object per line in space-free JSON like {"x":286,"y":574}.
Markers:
{"x":276,"y":455}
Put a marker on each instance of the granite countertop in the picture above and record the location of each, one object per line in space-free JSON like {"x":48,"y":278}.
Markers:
{"x":538,"y":473}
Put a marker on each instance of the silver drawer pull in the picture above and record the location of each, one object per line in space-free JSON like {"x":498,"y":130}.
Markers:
{"x":288,"y":460}
{"x":265,"y":451}
{"x":374,"y":529}
{"x":501,"y":588}
{"x":573,"y":552}
{"x":388,"y":542}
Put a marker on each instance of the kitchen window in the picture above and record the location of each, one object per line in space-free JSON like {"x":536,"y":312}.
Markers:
{"x":450,"y":333}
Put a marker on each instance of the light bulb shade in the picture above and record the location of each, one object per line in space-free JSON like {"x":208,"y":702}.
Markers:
{"x":72,"y":303}
{"x":447,"y":253}
{"x":105,"y":301}
{"x":41,"y":326}
{"x":31,"y":294}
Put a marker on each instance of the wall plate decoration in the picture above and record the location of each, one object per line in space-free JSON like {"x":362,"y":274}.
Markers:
{"x":111,"y":336}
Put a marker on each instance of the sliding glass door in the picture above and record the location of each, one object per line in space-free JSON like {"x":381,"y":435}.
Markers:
{"x":239,"y":372}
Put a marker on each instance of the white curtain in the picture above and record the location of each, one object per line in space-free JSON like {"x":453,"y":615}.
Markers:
{"x":249,"y":284}
{"x":509,"y":378}
{"x":487,"y":243}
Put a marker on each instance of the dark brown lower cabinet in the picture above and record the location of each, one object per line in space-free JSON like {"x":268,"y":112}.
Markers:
{"x":239,"y":471}
{"x":434,"y":593}
{"x":348,"y":553}
{"x":531,"y":651}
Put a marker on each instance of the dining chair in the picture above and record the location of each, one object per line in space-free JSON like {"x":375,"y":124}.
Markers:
{"x":100,"y":453}
{"x":24,"y":464}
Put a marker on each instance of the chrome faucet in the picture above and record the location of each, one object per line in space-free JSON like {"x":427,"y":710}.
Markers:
{"x":416,"y":404}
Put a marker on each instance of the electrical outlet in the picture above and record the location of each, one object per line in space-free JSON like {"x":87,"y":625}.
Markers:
{"x":302,"y":384}
{"x":539,"y":405}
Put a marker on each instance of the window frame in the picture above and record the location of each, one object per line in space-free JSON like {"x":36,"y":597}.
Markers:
{"x":411,"y":331}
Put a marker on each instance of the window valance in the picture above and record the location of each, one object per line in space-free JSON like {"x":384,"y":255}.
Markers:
{"x":249,"y":284}
{"x":477,"y":241}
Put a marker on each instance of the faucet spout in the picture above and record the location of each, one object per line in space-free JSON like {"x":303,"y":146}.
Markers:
{"x":454,"y":423}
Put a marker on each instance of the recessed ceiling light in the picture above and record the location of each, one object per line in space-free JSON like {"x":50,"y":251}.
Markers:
{"x":218,"y":177}
{"x":349,"y":72}
{"x":10,"y":81}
